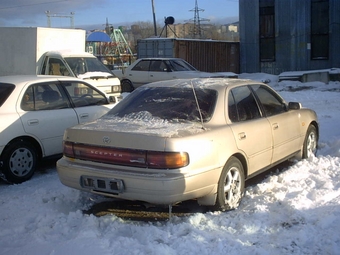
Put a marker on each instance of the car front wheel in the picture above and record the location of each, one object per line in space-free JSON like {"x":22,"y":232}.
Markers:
{"x":310,"y":144}
{"x":230,"y":186}
{"x":19,"y":162}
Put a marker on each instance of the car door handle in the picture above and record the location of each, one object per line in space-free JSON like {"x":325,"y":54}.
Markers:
{"x":84,"y":115}
{"x":275,"y":126}
{"x":33,"y":122}
{"x":242,"y":136}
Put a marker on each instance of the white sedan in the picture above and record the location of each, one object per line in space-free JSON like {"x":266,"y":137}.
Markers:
{"x":146,"y":70}
{"x":34,"y":113}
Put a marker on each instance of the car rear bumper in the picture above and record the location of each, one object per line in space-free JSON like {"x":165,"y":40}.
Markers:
{"x":159,"y":188}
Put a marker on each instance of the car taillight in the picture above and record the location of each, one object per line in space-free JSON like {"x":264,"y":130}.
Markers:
{"x":167,"y":159}
{"x":68,"y":149}
{"x":127,"y":157}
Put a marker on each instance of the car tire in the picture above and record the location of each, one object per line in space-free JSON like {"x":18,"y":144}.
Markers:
{"x":310,"y":144}
{"x":231,"y":184}
{"x":127,"y":86}
{"x":19,"y":162}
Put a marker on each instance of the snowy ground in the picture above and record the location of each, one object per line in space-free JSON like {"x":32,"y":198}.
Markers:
{"x":293,"y":211}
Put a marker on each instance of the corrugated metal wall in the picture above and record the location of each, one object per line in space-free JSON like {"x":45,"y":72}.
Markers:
{"x":209,"y":56}
{"x":205,"y":55}
{"x":293,"y":29}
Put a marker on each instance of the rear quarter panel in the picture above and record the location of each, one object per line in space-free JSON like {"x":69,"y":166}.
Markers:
{"x":207,"y":150}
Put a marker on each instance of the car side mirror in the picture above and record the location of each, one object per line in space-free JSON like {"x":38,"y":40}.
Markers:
{"x":112,"y":99}
{"x":294,"y":106}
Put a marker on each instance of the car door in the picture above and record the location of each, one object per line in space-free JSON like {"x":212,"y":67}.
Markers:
{"x":88,"y":102}
{"x":285,"y":125}
{"x":159,"y":71}
{"x":139,"y":74}
{"x":45,"y":113}
{"x":252,"y":132}
{"x":55,"y":66}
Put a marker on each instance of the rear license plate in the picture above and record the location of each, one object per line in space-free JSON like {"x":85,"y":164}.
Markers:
{"x":102,"y":184}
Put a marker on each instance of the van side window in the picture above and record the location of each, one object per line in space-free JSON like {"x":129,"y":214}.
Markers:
{"x":57,"y":67}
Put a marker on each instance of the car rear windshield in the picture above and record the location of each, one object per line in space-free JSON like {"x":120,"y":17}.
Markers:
{"x":171,"y":104}
{"x":5,"y":90}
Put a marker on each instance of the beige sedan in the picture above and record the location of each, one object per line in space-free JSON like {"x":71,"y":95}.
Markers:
{"x":187,"y":139}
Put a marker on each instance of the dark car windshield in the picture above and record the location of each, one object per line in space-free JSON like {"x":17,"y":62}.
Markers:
{"x":171,"y":104}
{"x":5,"y":90}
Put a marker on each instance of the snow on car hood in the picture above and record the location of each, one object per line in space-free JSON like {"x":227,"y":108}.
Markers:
{"x":143,"y":123}
{"x":94,"y":74}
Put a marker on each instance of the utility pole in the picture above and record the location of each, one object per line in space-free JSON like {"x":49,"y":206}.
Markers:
{"x":154,"y":17}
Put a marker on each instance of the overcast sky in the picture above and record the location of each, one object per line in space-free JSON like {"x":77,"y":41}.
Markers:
{"x":23,"y":13}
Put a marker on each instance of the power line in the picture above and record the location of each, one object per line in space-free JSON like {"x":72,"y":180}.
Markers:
{"x":25,"y":5}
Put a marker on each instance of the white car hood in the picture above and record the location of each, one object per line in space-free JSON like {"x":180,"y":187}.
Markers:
{"x":94,"y":74}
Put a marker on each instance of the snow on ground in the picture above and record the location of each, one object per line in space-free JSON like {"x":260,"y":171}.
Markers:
{"x":293,"y":211}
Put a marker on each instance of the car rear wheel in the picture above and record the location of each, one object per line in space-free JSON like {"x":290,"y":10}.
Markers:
{"x":19,"y":162}
{"x":127,"y":86}
{"x":310,"y":144}
{"x":230,"y":186}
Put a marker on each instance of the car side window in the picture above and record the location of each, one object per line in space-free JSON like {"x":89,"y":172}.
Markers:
{"x":44,"y":96}
{"x":178,"y":65}
{"x":242,"y":105}
{"x":27,"y":102}
{"x":5,"y":90}
{"x":57,"y":67}
{"x":272,"y":103}
{"x":142,"y":66}
{"x":156,"y":66}
{"x":83,"y":95}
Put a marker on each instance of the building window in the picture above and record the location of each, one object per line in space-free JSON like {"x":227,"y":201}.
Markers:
{"x":267,"y":31}
{"x":320,"y":27}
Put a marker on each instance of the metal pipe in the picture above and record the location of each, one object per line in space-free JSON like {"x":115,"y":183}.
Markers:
{"x":154,"y":17}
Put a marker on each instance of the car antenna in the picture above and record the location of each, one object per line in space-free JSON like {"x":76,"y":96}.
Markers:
{"x":197,"y":104}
